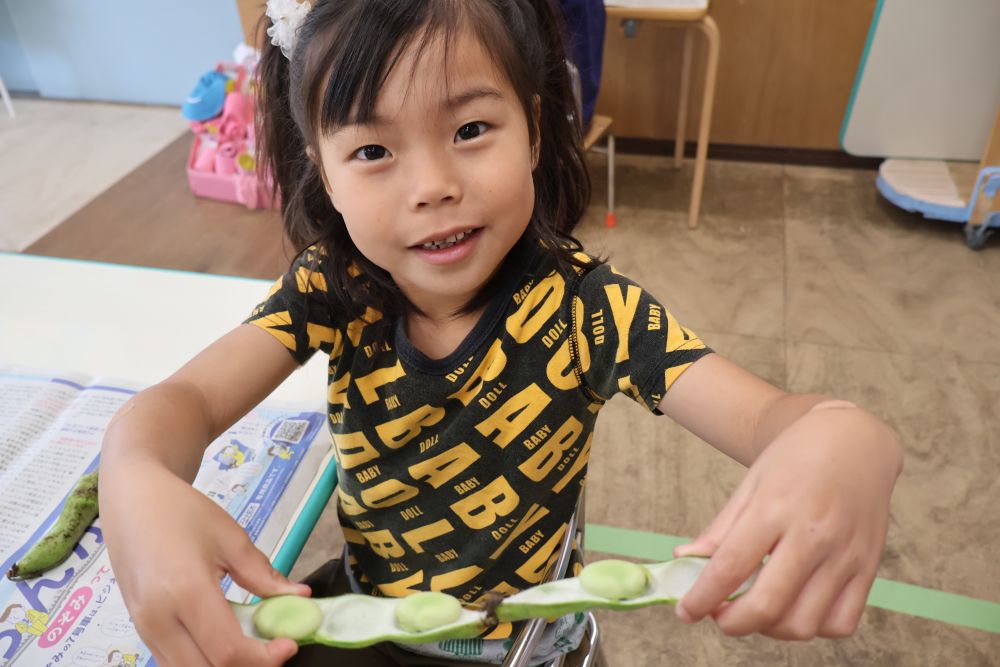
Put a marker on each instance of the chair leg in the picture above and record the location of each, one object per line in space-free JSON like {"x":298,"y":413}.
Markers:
{"x":611,"y":219}
{"x":711,"y":31}
{"x":682,"y":104}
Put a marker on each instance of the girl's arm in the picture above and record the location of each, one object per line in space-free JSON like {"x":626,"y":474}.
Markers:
{"x":816,"y":499}
{"x":169,"y":544}
{"x":197,"y":403}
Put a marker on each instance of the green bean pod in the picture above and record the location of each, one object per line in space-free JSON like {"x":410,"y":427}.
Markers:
{"x":60,"y":540}
{"x":355,"y":621}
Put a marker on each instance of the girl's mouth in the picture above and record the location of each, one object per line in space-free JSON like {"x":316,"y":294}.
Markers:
{"x":448,"y":242}
{"x":451,"y":249}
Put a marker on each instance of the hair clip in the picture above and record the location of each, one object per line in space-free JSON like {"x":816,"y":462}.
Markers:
{"x":286,"y":17}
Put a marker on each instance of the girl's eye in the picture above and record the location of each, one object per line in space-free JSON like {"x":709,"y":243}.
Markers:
{"x":371,"y":152}
{"x":470,"y":131}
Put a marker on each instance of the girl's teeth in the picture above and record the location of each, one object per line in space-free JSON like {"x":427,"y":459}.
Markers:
{"x":446,"y":243}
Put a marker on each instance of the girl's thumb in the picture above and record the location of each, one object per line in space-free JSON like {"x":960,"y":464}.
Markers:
{"x":254,"y":572}
{"x":701,"y":546}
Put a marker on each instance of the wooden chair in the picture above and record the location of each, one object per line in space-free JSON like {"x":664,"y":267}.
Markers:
{"x":600,"y":126}
{"x":690,"y":16}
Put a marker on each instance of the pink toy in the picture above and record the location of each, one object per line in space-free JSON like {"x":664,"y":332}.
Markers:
{"x":249,"y":190}
{"x":225,"y":159}
{"x":238,"y":107}
{"x":205,"y":160}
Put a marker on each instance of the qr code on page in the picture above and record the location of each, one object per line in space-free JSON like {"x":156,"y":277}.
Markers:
{"x":291,"y":431}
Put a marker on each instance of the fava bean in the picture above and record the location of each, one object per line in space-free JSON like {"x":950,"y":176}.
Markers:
{"x":60,"y":540}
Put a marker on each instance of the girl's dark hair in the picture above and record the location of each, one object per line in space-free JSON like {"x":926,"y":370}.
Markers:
{"x":345,"y":51}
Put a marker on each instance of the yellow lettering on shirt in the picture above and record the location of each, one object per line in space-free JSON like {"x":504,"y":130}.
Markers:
{"x":454,"y":578}
{"x":336,"y":393}
{"x":355,"y":328}
{"x":437,"y":470}
{"x":541,"y":303}
{"x":545,"y":459}
{"x":403,"y":587}
{"x":398,"y":432}
{"x":626,"y":387}
{"x":489,"y":369}
{"x":535,"y":568}
{"x":353,"y":449}
{"x":384,"y":544}
{"x":623,"y":309}
{"x":671,"y":374}
{"x":484,"y":507}
{"x":319,"y":334}
{"x":352,"y":536}
{"x":416,"y":537}
{"x":348,"y":504}
{"x":515,"y":415}
{"x":307,"y":280}
{"x":560,"y":370}
{"x":388,"y":493}
{"x":578,"y":463}
{"x":270,"y":324}
{"x":535,"y":513}
{"x":368,"y":384}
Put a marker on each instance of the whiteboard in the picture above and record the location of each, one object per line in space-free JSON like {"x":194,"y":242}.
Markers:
{"x":929,"y":83}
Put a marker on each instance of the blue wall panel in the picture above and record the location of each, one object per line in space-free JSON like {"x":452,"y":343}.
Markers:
{"x":13,"y":63}
{"x":123,"y":50}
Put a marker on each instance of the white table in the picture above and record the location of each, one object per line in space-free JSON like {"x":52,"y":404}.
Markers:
{"x":127,"y":322}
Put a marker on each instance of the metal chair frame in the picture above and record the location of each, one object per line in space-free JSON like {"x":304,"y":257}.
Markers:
{"x":521,"y":652}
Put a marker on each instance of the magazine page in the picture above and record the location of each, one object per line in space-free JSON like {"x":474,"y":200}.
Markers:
{"x":51,"y":426}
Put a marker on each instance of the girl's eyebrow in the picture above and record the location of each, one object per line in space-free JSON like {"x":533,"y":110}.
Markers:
{"x":456,"y":101}
{"x":451,"y":105}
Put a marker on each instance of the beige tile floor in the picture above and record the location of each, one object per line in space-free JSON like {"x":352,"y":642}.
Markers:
{"x":805,"y":277}
{"x":56,"y":156}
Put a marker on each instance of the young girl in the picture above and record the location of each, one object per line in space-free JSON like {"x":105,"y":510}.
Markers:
{"x":430,"y":172}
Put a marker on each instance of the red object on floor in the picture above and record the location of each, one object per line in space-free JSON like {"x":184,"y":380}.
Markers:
{"x":610,"y":221}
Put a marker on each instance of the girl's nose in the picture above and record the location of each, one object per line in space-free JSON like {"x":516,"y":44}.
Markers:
{"x":435,"y":181}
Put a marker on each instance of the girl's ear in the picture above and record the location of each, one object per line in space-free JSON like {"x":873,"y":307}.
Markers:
{"x":314,"y":158}
{"x":536,"y":118}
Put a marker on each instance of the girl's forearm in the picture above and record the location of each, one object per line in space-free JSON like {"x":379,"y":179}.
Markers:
{"x":167,"y":424}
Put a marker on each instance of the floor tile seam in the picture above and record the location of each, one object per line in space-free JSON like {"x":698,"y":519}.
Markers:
{"x":784,"y":269}
{"x":938,"y":354}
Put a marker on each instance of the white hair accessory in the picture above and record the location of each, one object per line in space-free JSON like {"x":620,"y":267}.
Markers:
{"x":286,"y":17}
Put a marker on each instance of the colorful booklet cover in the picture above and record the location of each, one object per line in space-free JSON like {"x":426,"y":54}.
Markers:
{"x":273,"y":472}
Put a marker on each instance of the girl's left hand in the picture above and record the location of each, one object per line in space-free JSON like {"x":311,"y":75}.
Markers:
{"x":817,"y":501}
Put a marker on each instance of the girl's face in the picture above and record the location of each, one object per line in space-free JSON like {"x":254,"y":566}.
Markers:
{"x":437,"y":188}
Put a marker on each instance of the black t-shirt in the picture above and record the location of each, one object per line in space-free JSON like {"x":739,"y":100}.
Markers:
{"x":460,"y":474}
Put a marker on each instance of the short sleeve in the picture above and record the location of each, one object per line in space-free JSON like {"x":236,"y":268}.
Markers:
{"x":297,"y":310}
{"x":627,"y":341}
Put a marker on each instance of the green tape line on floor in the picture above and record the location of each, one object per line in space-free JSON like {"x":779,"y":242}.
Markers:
{"x":885,"y":594}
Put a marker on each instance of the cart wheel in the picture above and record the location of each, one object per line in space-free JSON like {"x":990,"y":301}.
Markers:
{"x":976,"y":235}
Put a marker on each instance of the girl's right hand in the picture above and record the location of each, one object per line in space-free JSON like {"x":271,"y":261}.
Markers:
{"x":169,"y":561}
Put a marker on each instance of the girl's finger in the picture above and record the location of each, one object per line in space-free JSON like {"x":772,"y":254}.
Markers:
{"x":802,"y":621}
{"x":739,"y":553}
{"x":845,"y":614}
{"x":779,"y":586}
{"x":179,"y":649}
{"x":251,"y":569}
{"x":213,"y":626}
{"x":708,"y":541}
